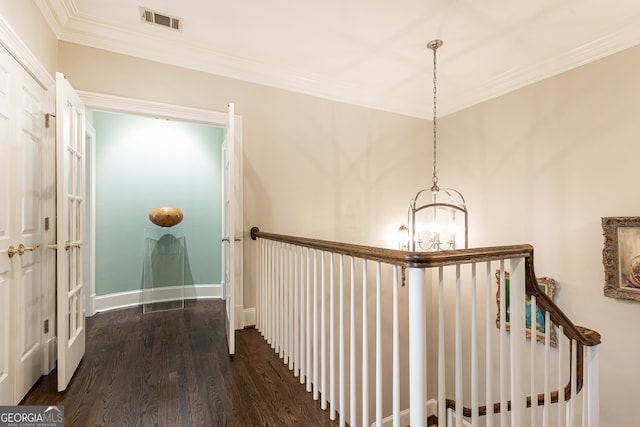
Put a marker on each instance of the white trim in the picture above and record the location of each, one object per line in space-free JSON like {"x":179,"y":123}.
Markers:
{"x":19,"y":50}
{"x":432,"y":407}
{"x":90,"y":197}
{"x":249,"y":317}
{"x":134,"y":298}
{"x":118,"y":104}
{"x":50,"y":347}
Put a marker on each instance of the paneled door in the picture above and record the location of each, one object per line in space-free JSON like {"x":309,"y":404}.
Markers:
{"x":22,"y":106}
{"x":70,"y":158}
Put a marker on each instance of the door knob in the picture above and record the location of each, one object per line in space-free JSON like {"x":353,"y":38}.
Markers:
{"x":11,"y":251}
{"x":68,"y":245}
{"x":22,"y":248}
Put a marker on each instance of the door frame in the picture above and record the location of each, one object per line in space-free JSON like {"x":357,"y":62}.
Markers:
{"x":118,"y":104}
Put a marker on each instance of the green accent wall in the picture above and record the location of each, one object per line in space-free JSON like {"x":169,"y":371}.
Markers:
{"x":143,"y":163}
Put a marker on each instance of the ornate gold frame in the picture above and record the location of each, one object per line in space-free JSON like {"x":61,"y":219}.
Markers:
{"x":621,"y":257}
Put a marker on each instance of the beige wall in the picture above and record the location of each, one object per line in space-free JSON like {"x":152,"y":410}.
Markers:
{"x":542,"y":165}
{"x":25,"y":19}
{"x":311,"y":167}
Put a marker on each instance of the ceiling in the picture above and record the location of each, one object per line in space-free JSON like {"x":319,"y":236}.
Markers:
{"x":365,"y":52}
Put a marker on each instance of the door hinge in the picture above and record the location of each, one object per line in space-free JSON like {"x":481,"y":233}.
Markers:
{"x":46,"y":326}
{"x":47,"y":118}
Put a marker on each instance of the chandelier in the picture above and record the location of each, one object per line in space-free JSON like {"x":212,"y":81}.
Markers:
{"x":437,"y":217}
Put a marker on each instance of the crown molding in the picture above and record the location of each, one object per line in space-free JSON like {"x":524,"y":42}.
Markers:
{"x":626,"y":37}
{"x":153,"y":45}
{"x":19,"y":50}
{"x":57,"y":13}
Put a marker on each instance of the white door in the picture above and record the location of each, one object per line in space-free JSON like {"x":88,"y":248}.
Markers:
{"x":232,"y":228}
{"x":70,"y":158}
{"x":22,"y":105}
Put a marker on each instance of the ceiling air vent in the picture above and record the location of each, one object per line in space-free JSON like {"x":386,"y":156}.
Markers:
{"x":162,"y":19}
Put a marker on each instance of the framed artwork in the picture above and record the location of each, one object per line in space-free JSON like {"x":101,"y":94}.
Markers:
{"x":621,"y":257}
{"x":548,"y":286}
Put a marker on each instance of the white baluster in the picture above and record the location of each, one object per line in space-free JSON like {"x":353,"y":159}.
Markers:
{"x":323,"y":337}
{"x":332,"y":351}
{"x":396,"y":353}
{"x":474,"y":349}
{"x":296,"y":313}
{"x":417,"y":353}
{"x":279,"y":299}
{"x":560,"y":385}
{"x":309,"y":327}
{"x":517,"y":341}
{"x":442,"y":390}
{"x":533,"y":364}
{"x":459,"y":396}
{"x":504,"y":414}
{"x":593,"y":392}
{"x":341,"y":371}
{"x":378,"y":347}
{"x":489,"y":326}
{"x":316,"y":382}
{"x":546,"y":410}
{"x":303,"y":317}
{"x":574,"y":384}
{"x":352,"y":345}
{"x":365,"y":347}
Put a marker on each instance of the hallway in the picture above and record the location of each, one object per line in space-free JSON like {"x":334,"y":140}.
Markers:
{"x":171,"y":368}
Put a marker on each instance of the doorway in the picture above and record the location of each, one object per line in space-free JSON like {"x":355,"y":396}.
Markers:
{"x":141,"y":163}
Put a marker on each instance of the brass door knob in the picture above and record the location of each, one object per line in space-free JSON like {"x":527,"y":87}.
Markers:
{"x":22,"y":248}
{"x":11,"y":251}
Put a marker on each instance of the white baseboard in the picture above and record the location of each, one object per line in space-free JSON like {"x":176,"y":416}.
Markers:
{"x":249,"y":317}
{"x":50,"y":354}
{"x":431,"y":409}
{"x":134,"y":298}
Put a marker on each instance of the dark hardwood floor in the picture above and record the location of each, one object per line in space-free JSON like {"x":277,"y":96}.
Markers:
{"x":171,"y":368}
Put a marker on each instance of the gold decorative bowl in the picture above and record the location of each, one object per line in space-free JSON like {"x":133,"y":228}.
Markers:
{"x":165,"y":216}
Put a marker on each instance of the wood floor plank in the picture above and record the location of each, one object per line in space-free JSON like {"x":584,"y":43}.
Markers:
{"x":171,"y":368}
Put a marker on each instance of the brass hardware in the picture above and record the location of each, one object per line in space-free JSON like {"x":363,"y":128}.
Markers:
{"x":11,"y":251}
{"x":236,"y":240}
{"x":47,"y":118}
{"x":226,"y":239}
{"x":68,"y":245}
{"x":22,"y":248}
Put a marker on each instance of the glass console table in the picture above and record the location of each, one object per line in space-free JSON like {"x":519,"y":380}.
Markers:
{"x":163,"y":269}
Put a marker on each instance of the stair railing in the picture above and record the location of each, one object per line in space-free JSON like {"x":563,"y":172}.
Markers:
{"x":403,"y":337}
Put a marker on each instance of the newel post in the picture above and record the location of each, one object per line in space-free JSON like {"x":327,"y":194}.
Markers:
{"x":417,"y":348}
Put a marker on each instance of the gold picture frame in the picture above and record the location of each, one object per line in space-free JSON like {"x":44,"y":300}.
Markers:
{"x":621,"y":257}
{"x":548,"y":286}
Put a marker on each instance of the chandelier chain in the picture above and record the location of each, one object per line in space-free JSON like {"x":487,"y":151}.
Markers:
{"x":434,"y":46}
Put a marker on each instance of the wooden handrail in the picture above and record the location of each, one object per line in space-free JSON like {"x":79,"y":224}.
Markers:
{"x":405,"y":259}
